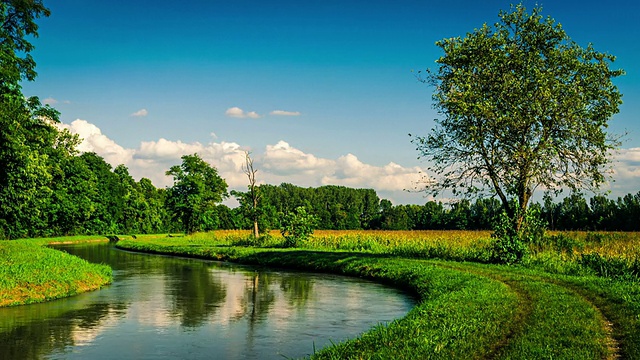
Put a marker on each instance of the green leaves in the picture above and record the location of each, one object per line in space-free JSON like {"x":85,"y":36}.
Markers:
{"x":196,"y":189}
{"x":297,"y":226}
{"x":522,"y":106}
{"x":17,"y":20}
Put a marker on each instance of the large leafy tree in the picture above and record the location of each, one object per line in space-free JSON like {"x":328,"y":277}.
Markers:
{"x":196,"y":189}
{"x":26,"y":127}
{"x":521,"y":107}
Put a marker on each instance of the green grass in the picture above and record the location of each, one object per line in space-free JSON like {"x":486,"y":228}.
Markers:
{"x":30,"y":272}
{"x":466,"y":310}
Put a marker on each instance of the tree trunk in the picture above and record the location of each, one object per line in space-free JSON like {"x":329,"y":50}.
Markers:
{"x":256,"y":233}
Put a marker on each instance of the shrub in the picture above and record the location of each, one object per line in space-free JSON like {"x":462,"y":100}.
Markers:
{"x":512,"y":245}
{"x":297,"y":227}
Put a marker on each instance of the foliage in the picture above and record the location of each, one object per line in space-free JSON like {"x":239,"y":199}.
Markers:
{"x":297,"y":226}
{"x":26,"y":126}
{"x":196,"y":188}
{"x":512,"y":246}
{"x":336,"y":207}
{"x":522,"y":107}
{"x":18,"y":23}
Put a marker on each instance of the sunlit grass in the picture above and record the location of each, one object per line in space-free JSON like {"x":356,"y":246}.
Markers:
{"x":559,"y":252}
{"x":32,"y":273}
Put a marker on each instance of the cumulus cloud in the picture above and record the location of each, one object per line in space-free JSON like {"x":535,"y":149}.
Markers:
{"x":350,"y":171}
{"x":236,"y":112}
{"x":629,"y":156}
{"x":283,"y":159}
{"x":95,"y":141}
{"x":282,"y":162}
{"x":140,"y":113}
{"x":626,"y":172}
{"x":153,"y":158}
{"x":277,"y":163}
{"x":285,"y":113}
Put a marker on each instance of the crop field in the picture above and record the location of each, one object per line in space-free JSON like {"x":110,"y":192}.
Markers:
{"x":573,"y":253}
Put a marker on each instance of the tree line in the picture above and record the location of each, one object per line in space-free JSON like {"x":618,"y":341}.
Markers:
{"x":342,"y":208}
{"x":73,"y":194}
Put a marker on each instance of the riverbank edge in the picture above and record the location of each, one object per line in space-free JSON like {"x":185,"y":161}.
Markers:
{"x":56,"y":282}
{"x":492,"y":317}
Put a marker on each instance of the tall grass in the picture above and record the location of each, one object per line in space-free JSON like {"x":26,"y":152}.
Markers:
{"x":609,"y":254}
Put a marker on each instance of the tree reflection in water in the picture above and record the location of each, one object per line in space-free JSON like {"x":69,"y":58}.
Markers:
{"x":196,"y":293}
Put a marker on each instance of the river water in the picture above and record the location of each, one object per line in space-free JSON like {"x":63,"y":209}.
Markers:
{"x":165,"y":307}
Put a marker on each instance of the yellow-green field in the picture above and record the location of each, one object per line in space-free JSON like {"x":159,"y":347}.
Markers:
{"x":557,"y":248}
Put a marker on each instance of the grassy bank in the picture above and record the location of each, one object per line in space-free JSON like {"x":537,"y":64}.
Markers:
{"x":31,"y":273}
{"x":465,"y":310}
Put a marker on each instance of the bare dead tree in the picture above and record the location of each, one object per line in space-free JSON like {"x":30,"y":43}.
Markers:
{"x":253,"y":191}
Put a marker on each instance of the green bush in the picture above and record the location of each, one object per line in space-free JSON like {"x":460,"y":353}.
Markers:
{"x":297,"y":227}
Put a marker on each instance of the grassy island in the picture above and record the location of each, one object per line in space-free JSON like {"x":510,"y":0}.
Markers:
{"x":31,"y":272}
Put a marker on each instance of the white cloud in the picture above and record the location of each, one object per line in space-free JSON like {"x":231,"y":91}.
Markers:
{"x":140,"y":113}
{"x":282,"y":159}
{"x":626,"y":172}
{"x":631,"y":155}
{"x":49,"y":101}
{"x":285,"y":113}
{"x":350,"y":171}
{"x":282,"y":162}
{"x":278,"y":163}
{"x":95,"y":141}
{"x":236,"y":112}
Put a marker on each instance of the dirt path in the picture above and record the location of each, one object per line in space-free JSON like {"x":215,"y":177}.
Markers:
{"x":530,"y":298}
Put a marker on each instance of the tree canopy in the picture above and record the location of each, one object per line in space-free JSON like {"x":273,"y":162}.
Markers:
{"x":521,"y":107}
{"x":196,"y":188}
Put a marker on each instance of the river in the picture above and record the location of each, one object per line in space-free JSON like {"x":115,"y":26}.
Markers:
{"x":162,"y":307}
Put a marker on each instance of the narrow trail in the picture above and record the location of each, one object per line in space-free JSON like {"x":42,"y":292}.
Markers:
{"x":528,"y":301}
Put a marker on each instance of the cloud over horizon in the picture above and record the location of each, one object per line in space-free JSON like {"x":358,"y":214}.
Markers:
{"x":277,"y":163}
{"x":281,"y":162}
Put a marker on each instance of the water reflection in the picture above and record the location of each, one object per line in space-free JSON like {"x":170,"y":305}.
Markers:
{"x":161,"y":307}
{"x":195,"y":293}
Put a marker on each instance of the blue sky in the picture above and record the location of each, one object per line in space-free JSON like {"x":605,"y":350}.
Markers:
{"x":321,"y":92}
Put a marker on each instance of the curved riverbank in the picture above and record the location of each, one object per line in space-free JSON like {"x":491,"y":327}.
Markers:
{"x":31,"y":273}
{"x":465,"y":310}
